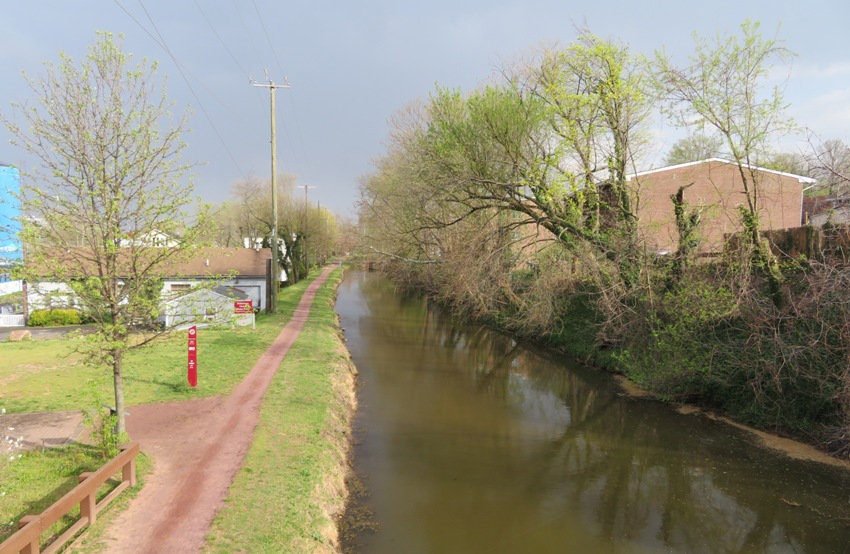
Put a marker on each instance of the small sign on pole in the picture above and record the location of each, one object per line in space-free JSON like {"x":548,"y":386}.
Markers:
{"x":243,"y":307}
{"x":193,"y":356}
{"x":244,"y":310}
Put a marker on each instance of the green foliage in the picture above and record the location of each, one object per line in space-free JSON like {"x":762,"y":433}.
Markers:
{"x":675,"y":340}
{"x":55,"y":318}
{"x":106,"y":440}
{"x":693,"y":148}
{"x":95,"y":209}
{"x":13,"y":298}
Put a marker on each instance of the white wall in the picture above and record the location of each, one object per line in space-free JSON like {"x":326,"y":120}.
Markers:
{"x":11,"y":286}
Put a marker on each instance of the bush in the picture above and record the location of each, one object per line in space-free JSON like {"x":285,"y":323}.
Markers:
{"x":55,"y":318}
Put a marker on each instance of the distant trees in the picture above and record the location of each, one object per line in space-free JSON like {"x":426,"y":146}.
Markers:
{"x":109,"y":171}
{"x":695,"y":147}
{"x":829,"y":163}
{"x":306,"y":234}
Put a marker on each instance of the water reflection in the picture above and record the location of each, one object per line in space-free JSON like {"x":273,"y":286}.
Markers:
{"x":471,"y":442}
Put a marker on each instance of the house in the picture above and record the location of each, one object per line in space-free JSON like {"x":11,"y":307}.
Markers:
{"x":245,"y":269}
{"x":238,"y":273}
{"x":817,"y":210}
{"x":153,"y":238}
{"x":715,"y":186}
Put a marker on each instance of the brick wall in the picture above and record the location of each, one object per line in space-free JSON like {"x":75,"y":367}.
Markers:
{"x":716,"y":186}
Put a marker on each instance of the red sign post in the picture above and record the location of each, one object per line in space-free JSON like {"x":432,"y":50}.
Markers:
{"x":193,"y":356}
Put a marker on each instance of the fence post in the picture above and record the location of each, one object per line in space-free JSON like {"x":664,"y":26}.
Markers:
{"x":35,"y":546}
{"x":88,"y":505}
{"x":128,"y":471}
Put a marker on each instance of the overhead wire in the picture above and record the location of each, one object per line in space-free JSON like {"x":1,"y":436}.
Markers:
{"x":180,"y":68}
{"x":298,"y":155}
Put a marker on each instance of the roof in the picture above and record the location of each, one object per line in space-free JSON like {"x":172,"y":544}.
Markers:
{"x":245,"y":262}
{"x":207,"y":262}
{"x":800,"y":178}
{"x":231,"y":292}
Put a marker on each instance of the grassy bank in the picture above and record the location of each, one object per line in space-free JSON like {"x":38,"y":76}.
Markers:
{"x":291,"y":483}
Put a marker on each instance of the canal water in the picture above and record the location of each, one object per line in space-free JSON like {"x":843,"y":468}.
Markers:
{"x":468,"y":441}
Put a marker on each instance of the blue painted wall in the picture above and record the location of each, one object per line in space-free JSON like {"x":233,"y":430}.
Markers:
{"x":10,"y":212}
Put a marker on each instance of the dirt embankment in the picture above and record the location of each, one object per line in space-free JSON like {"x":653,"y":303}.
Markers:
{"x":332,"y":493}
{"x":790,"y":447}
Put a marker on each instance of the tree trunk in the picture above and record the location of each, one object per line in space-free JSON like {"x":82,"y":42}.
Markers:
{"x":118,"y":381}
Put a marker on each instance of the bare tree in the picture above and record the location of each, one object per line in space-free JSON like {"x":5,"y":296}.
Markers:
{"x":829,"y":163}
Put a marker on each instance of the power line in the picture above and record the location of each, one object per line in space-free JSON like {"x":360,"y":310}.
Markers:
{"x":268,"y":38}
{"x":224,"y":44}
{"x":210,"y":25}
{"x":299,"y":153}
{"x":161,"y":43}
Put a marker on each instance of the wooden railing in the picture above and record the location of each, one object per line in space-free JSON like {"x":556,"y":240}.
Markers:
{"x":27,"y":540}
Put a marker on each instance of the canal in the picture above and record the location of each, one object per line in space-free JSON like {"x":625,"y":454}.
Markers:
{"x":468,"y":441}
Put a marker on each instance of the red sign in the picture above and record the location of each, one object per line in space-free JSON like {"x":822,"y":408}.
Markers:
{"x":243,"y":307}
{"x":193,"y":356}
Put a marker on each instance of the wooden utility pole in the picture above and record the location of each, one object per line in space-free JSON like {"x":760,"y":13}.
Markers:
{"x":275,"y":284}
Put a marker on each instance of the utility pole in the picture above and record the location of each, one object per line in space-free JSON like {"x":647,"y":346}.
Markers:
{"x":304,"y":226}
{"x":272,"y":307}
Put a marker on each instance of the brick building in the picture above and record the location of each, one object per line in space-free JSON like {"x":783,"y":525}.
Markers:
{"x":716,"y":186}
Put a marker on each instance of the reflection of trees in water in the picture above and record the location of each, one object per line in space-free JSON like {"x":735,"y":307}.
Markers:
{"x":633,"y":470}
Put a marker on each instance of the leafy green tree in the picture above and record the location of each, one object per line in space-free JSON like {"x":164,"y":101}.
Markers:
{"x":722,"y":87}
{"x":109,"y":176}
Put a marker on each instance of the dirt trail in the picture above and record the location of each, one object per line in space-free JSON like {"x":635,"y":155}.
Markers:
{"x":197,"y":447}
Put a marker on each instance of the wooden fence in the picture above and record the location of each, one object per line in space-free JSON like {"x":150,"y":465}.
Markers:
{"x":27,"y":540}
{"x":815,"y":243}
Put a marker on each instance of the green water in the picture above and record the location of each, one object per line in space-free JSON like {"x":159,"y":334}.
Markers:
{"x":468,"y":441}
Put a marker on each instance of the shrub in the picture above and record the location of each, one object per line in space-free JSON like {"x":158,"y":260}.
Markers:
{"x":54,"y":318}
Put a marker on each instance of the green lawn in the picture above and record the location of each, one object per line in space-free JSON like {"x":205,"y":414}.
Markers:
{"x":36,"y":480}
{"x":48,"y":375}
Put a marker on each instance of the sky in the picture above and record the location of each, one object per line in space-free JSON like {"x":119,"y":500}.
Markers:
{"x":351,"y":65}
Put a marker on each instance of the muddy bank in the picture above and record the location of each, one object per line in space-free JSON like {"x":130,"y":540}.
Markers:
{"x":792,"y":448}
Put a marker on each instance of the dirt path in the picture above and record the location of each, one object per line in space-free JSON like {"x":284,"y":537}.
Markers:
{"x":197,"y":446}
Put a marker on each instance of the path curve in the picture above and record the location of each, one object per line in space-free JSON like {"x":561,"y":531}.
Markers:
{"x":197,"y":447}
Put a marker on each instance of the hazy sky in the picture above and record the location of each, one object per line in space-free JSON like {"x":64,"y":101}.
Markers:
{"x":352,"y":64}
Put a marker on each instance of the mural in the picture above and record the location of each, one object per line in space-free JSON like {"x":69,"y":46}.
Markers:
{"x":10,"y":247}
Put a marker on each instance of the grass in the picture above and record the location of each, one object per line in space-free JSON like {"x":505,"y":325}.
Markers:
{"x":32,"y":483}
{"x":48,"y":375}
{"x":291,"y":481}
